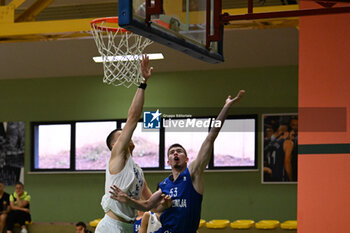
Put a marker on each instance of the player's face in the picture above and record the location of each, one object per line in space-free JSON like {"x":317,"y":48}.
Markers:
{"x":19,"y":188}
{"x":294,"y":124}
{"x":292,"y":135}
{"x":79,"y":229}
{"x":177,"y":157}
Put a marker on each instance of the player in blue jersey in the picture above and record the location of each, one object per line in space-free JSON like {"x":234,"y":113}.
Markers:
{"x":184,"y":185}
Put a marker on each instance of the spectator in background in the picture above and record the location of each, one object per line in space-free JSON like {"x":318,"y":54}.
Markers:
{"x":80,"y":227}
{"x":4,"y":206}
{"x":19,"y":209}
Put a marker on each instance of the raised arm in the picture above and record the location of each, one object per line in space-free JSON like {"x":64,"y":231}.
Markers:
{"x":144,"y":205}
{"x":198,"y":165}
{"x":120,"y":148}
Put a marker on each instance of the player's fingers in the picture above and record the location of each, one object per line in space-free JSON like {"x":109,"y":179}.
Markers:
{"x":113,"y":195}
{"x":115,"y":188}
{"x":145,"y":60}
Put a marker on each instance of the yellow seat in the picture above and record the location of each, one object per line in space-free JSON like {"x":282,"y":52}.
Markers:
{"x":242,"y":224}
{"x":201,"y":223}
{"x":217,"y":223}
{"x":267,"y":224}
{"x":95,"y":222}
{"x":289,"y":225}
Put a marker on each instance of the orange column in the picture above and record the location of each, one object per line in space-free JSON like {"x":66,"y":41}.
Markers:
{"x":324,"y":159}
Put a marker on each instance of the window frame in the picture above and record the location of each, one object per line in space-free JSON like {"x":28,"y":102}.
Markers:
{"x":161,"y":168}
{"x":239,"y":168}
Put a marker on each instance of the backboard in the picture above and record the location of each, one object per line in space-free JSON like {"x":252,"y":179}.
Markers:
{"x":185,"y":25}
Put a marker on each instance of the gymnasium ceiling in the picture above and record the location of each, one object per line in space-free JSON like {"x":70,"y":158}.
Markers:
{"x":249,"y":44}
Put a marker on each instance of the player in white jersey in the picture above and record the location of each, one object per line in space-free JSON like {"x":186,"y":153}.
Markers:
{"x":121,"y":169}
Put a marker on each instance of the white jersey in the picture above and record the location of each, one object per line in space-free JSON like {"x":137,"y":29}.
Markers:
{"x":130,"y":180}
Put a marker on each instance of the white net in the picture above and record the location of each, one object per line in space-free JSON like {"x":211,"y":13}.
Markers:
{"x":121,"y":53}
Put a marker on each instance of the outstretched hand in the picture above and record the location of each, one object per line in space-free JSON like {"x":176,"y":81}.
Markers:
{"x":146,"y":71}
{"x":230,"y":101}
{"x":166,"y":201}
{"x":119,"y":195}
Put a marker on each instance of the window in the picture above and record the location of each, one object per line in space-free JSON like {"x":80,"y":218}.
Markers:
{"x":235,"y":145}
{"x":91,"y":152}
{"x":70,"y":146}
{"x":81,"y":146}
{"x":53,"y":153}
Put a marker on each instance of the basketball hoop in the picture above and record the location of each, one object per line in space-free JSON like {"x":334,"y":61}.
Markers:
{"x":121,"y":51}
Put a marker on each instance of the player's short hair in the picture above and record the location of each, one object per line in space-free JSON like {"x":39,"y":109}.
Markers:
{"x":177,"y":145}
{"x":81,"y":224}
{"x":110,"y":138}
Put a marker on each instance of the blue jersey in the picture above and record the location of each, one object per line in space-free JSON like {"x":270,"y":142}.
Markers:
{"x":137,"y":225}
{"x":184,"y":215}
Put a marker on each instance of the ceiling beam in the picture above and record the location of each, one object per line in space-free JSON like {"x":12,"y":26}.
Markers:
{"x":31,"y":12}
{"x":285,"y":14}
{"x":53,"y":27}
{"x":14,"y":4}
{"x":7,"y":12}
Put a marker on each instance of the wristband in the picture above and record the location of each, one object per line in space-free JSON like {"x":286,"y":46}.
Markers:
{"x":143,"y":86}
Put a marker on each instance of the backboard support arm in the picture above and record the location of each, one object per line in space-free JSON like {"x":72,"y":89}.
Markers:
{"x":155,"y":9}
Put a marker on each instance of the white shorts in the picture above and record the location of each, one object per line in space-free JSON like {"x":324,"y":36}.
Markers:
{"x":110,"y":225}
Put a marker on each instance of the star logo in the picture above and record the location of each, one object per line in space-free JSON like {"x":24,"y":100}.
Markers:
{"x":156,"y":115}
{"x":151,"y":120}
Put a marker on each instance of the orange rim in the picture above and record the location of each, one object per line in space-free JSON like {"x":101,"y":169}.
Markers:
{"x":94,"y":24}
